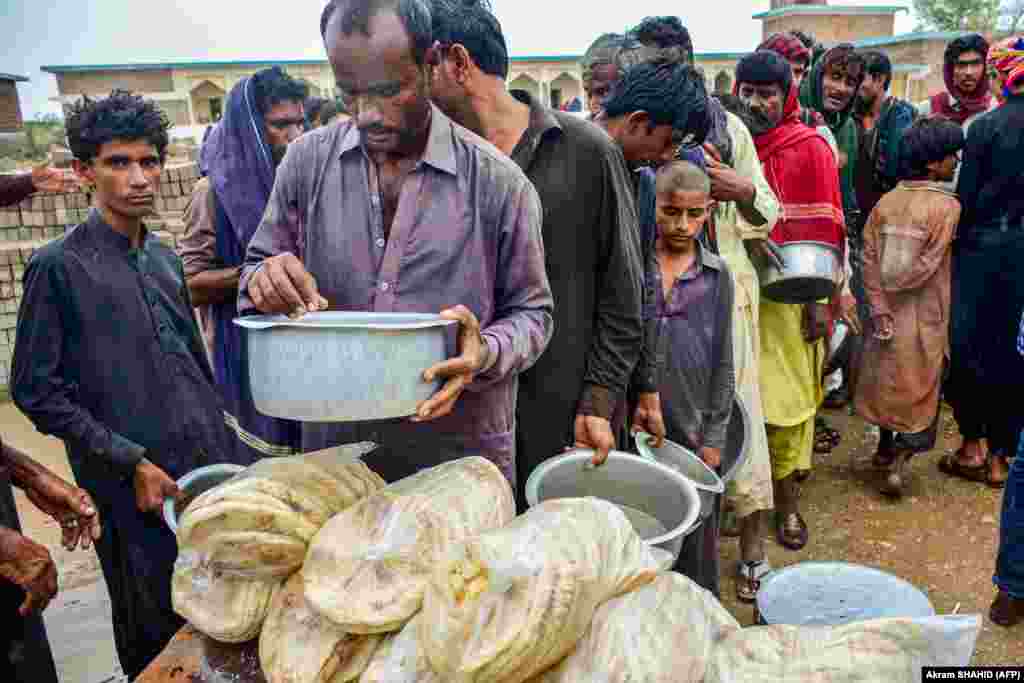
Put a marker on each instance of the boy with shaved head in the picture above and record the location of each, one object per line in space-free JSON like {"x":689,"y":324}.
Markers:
{"x":694,"y":295}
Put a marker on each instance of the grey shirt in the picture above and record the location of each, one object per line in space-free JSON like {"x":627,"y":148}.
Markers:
{"x":698,"y":382}
{"x":467,"y":231}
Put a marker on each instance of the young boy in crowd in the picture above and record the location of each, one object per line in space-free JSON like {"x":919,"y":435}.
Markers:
{"x":694,"y":308}
{"x":907,"y":267}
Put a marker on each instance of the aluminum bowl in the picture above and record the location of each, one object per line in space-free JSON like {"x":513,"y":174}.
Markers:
{"x":812,"y":272}
{"x":340,"y":366}
{"x":196,"y":482}
{"x":625,"y":479}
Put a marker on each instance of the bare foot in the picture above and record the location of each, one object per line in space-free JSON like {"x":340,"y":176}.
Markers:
{"x":973,"y":453}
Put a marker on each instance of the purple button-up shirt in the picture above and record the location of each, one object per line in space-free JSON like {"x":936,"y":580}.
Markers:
{"x":467,"y":231}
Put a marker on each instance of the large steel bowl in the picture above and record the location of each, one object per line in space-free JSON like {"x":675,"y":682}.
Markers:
{"x":192,"y":485}
{"x":626,"y":480}
{"x":341,"y":366}
{"x":812,"y":272}
{"x":708,"y":483}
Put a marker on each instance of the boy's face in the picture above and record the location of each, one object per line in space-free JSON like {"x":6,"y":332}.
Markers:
{"x":945,"y":171}
{"x":126,"y":174}
{"x":681,"y":216}
{"x":839,"y":85}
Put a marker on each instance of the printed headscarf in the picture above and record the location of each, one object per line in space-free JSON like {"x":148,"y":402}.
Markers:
{"x":1007,"y":59}
{"x":788,"y":46}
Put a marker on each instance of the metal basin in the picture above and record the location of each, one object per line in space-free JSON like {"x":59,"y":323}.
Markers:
{"x":836,"y":593}
{"x":196,"y":482}
{"x":812,"y":272}
{"x":708,"y":482}
{"x":656,"y":491}
{"x":343,"y":367}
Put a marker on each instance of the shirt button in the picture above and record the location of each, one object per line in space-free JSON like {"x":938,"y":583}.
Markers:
{"x":384,"y":286}
{"x":381,"y":242}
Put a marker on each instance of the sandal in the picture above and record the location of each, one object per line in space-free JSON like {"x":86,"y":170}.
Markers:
{"x":1006,"y":611}
{"x":982,"y":474}
{"x":825,"y":438}
{"x":748,"y":579}
{"x":792,"y":531}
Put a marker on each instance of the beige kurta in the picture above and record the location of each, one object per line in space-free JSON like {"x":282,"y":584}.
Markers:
{"x":907,"y":271}
{"x":751,"y":490}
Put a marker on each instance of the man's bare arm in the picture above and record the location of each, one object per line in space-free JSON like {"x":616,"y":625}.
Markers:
{"x":217,"y":286}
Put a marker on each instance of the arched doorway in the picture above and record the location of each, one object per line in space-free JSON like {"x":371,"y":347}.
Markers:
{"x":723,"y":83}
{"x":525,"y":82}
{"x":564,"y":90}
{"x":207,"y":103}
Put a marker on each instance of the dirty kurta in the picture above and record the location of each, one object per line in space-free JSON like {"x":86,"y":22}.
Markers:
{"x":907,"y":262}
{"x":467,"y":231}
{"x":751,"y":491}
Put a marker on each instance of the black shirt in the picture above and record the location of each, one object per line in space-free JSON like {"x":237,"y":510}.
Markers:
{"x":991,"y":185}
{"x":108,"y":357}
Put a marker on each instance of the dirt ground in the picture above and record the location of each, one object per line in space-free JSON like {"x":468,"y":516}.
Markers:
{"x":941,"y":536}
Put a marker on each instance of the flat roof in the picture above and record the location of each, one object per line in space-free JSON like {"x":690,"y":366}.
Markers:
{"x":909,"y":38}
{"x":830,"y":9}
{"x":13,"y":77}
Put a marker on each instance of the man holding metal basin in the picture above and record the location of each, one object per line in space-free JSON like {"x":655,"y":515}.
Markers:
{"x":402,"y":211}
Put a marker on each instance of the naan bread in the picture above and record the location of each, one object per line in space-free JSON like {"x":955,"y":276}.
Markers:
{"x":660,"y":633}
{"x":253,"y":554}
{"x":368,"y":566}
{"x":399,"y":659}
{"x":227,"y":609}
{"x":889,"y":650}
{"x":299,"y":646}
{"x":507,"y":604}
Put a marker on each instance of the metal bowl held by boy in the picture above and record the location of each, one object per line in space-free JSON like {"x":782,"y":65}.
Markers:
{"x":812,"y":272}
{"x":341,"y":366}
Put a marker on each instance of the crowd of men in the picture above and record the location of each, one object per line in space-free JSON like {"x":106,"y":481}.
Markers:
{"x":602,"y":274}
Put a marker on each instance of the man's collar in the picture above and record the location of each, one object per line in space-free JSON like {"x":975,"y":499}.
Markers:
{"x":706,"y":259}
{"x":543,"y":122}
{"x":440,"y":149}
{"x":99,"y":227}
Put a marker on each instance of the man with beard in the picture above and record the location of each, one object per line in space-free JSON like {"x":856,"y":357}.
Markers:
{"x":802,"y":171}
{"x":402,"y":210}
{"x":967,"y":94}
{"x":264,"y":115}
{"x":109,"y":359}
{"x":988,"y":285}
{"x":590,"y":238}
{"x":745,"y":211}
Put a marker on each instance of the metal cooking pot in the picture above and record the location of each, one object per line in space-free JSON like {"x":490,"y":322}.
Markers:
{"x":686,"y":462}
{"x":626,"y":480}
{"x":340,"y":366}
{"x":812,"y":272}
{"x":193,"y":484}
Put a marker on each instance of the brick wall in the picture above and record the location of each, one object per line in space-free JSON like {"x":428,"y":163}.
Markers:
{"x":10,"y":107}
{"x":102,"y":82}
{"x":43,"y":217}
{"x":836,"y":28}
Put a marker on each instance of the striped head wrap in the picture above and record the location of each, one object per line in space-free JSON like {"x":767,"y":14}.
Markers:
{"x":1007,"y":59}
{"x":790,"y":47}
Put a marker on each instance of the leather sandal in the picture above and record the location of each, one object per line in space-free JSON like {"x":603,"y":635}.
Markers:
{"x":1006,"y":611}
{"x":792,"y":532}
{"x":748,"y":579}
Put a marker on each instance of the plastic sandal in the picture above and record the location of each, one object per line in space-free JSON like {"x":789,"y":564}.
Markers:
{"x":748,"y":579}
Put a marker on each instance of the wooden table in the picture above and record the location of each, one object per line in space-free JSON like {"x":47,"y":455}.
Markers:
{"x":191,"y":657}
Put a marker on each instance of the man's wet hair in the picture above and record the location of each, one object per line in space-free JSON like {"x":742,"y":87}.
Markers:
{"x":472,"y":24}
{"x":878,"y":64}
{"x":121,"y":116}
{"x":973,"y":42}
{"x":356,"y":15}
{"x":672,"y":94}
{"x":273,"y":86}
{"x":664,"y":32}
{"x":682,"y":176}
{"x":928,"y":140}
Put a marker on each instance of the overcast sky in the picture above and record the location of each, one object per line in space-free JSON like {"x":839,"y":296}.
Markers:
{"x":49,"y":32}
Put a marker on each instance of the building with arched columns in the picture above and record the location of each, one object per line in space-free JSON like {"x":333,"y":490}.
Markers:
{"x":192,"y":93}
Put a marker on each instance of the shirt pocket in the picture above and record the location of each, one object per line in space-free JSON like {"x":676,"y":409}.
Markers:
{"x":901,"y":249}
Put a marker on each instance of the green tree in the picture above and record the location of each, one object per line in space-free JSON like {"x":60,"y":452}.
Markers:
{"x":1013,"y":15}
{"x":958,"y":15}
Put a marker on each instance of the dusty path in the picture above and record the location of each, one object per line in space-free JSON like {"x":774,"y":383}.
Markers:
{"x":942,"y":537}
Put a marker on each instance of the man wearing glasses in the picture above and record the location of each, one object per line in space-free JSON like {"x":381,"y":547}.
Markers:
{"x":240,"y":158}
